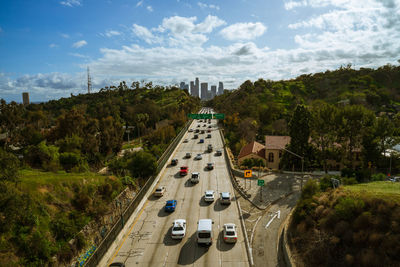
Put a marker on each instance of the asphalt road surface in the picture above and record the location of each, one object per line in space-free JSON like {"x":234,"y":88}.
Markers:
{"x":148,"y":241}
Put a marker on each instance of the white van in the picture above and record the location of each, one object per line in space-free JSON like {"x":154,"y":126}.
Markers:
{"x":204,"y":231}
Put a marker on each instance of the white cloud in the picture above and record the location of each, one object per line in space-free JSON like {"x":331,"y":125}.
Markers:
{"x":111,"y":33}
{"x":209,"y":24}
{"x":78,"y":55}
{"x":145,"y":34}
{"x":53,"y":45}
{"x":243,"y":31}
{"x":149,"y":8}
{"x":293,"y":4}
{"x":211,"y":6}
{"x":140,"y":3}
{"x":71,"y":3}
{"x":64,"y":35}
{"x":79,"y":44}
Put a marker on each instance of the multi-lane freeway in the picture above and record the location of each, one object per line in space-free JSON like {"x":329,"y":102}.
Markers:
{"x":147,"y":240}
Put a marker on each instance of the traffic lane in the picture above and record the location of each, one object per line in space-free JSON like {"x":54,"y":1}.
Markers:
{"x":266,"y":236}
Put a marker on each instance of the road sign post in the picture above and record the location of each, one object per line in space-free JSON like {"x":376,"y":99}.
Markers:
{"x":247,"y":174}
{"x":261,"y":184}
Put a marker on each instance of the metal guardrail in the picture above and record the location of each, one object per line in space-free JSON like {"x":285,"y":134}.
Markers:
{"x":119,"y":225}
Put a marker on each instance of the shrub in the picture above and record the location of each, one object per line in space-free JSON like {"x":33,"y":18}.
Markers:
{"x":348,"y":181}
{"x":325,"y":183}
{"x":80,"y":241}
{"x":310,"y":188}
{"x":378,"y":177}
{"x":346,"y":172}
{"x":69,"y":160}
{"x":348,"y":207}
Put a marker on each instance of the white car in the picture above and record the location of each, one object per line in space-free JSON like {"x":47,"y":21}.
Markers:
{"x":209,"y":196}
{"x":198,"y":157}
{"x":178,"y":229}
{"x":225,"y":198}
{"x":230,"y":233}
{"x":159,"y":191}
{"x":190,"y":130}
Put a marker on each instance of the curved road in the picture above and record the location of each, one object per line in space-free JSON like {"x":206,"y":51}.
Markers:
{"x":148,"y":242}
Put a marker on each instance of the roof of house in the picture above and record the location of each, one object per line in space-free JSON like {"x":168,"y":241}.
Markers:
{"x":276,"y":142}
{"x":252,"y":148}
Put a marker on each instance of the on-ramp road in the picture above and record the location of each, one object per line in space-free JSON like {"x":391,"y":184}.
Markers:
{"x":148,"y":242}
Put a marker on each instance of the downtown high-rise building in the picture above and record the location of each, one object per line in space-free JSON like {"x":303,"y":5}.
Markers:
{"x":213,"y":91}
{"x":204,"y":91}
{"x":220,"y":88}
{"x":25,"y":98}
{"x":197,"y":86}
{"x":182,"y":85}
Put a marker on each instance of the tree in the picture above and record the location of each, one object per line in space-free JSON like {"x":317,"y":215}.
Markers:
{"x":9,"y":167}
{"x":299,"y":131}
{"x":323,"y":130}
{"x":142,"y":164}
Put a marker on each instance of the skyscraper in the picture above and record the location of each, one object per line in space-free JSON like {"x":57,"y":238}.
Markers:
{"x":197,"y":86}
{"x":182,"y":85}
{"x":220,"y":88}
{"x":192,"y":89}
{"x":213,"y":91}
{"x":25,"y":98}
{"x":204,"y":91}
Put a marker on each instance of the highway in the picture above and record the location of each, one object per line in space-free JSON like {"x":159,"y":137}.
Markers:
{"x":148,"y":242}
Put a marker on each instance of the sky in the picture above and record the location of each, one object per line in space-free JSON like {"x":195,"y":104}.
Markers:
{"x":47,"y":45}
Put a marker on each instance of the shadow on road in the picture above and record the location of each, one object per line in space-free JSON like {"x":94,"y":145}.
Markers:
{"x":168,"y":241}
{"x":178,"y":175}
{"x":221,"y":245}
{"x":203,"y":203}
{"x":163,"y":213}
{"x":188,"y":183}
{"x":152,"y":197}
{"x":191,"y":251}
{"x":219,"y":207}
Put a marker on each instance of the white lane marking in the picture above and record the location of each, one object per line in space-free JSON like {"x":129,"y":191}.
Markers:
{"x":252,"y":232}
{"x":277,"y":214}
{"x":165,"y":259}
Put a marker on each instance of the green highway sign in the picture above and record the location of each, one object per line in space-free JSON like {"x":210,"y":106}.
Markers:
{"x":218,"y":116}
{"x":260,"y":182}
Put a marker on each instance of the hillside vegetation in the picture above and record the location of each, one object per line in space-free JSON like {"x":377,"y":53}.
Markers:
{"x":329,"y":116}
{"x":49,"y":156}
{"x":357,"y":225}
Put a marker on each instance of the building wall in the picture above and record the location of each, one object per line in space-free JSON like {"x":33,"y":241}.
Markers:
{"x":204,"y":90}
{"x":276,"y":159}
{"x":25,"y":98}
{"x":250,"y":156}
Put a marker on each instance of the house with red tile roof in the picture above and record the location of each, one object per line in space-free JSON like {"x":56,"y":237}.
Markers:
{"x":252,"y":150}
{"x":274,"y":148}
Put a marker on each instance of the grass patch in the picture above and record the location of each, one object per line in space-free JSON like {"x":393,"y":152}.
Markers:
{"x":36,"y":180}
{"x":132,"y":144}
{"x":384,"y":190}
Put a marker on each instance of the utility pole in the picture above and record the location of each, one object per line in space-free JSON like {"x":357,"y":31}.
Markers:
{"x":89,"y":81}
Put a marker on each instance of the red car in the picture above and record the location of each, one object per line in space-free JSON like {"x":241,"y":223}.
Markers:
{"x":184,"y":170}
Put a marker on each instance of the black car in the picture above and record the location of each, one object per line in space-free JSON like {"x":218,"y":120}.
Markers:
{"x":117,"y":264}
{"x":174,"y":162}
{"x":196,"y":136}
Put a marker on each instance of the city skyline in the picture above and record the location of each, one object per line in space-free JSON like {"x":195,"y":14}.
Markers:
{"x":205,"y":93}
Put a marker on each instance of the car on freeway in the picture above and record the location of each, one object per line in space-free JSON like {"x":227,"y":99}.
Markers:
{"x":197,"y":130}
{"x":195,"y":177}
{"x":209,"y":196}
{"x":210,"y":166}
{"x":198,"y":157}
{"x":174,"y":162}
{"x":225,"y":198}
{"x":178,"y":229}
{"x":184,"y":170}
{"x":204,"y":125}
{"x":208,"y":135}
{"x":188,"y":155}
{"x":202,"y":131}
{"x":117,"y":264}
{"x":208,"y":131}
{"x":159,"y":191}
{"x":186,"y":140}
{"x":195,"y":136}
{"x":209,"y":126}
{"x":230,"y":233}
{"x":201,"y":141}
{"x":198,"y":125}
{"x":190,"y":130}
{"x":209,"y":148}
{"x":170,"y":205}
{"x":218,"y":152}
